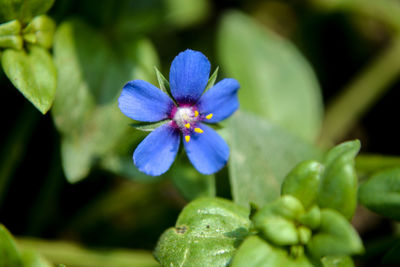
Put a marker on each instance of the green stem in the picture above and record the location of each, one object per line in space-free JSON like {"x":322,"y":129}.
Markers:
{"x":15,"y":145}
{"x":72,"y":255}
{"x":364,"y":91}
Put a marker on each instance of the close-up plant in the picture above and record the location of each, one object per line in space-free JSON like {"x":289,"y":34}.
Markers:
{"x":199,"y":133}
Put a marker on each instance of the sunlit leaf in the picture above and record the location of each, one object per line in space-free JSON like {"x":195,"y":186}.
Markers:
{"x":33,"y":73}
{"x":207,"y":233}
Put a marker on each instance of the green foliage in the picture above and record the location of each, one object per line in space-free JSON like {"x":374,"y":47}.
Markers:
{"x":11,"y":256}
{"x":338,"y":186}
{"x":10,"y":35}
{"x":276,"y":82}
{"x":40,"y":31}
{"x":331,"y":184}
{"x":207,"y":233}
{"x":33,"y":73}
{"x":261,"y":156}
{"x":254,"y":252}
{"x":91,"y":75}
{"x":9,"y":253}
{"x":276,"y":221}
{"x":335,"y":236}
{"x":381,"y":193}
{"x":23,"y":10}
{"x":303,"y":182}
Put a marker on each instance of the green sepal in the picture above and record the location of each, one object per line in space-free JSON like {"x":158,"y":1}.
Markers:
{"x":205,"y":228}
{"x":164,"y":84}
{"x":255,"y":252}
{"x":212,"y":80}
{"x":303,"y":182}
{"x":335,"y":236}
{"x":148,"y":126}
{"x":9,"y":253}
{"x":10,"y":35}
{"x":40,"y":31}
{"x":381,"y":193}
{"x":338,"y":185}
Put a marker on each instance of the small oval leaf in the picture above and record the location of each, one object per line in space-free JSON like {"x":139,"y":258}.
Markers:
{"x":207,"y":233}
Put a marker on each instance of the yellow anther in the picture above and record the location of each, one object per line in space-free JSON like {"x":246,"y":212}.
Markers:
{"x":196,"y":113}
{"x":209,"y":116}
{"x":187,"y":125}
{"x":198,"y":130}
{"x":187,"y":138}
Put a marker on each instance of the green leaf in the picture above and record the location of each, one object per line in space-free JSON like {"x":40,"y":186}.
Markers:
{"x":9,"y":253}
{"x":276,"y":221}
{"x":23,"y":10}
{"x":10,"y":35}
{"x":303,"y":182}
{"x":92,"y":72}
{"x":207,"y":233}
{"x":312,"y":218}
{"x":338,"y":186}
{"x":337,"y":261}
{"x":212,"y":80}
{"x":276,"y":81}
{"x":381,"y":193}
{"x":33,"y":259}
{"x":261,"y":156}
{"x":148,"y":126}
{"x":40,"y":31}
{"x":191,"y":183}
{"x":33,"y":74}
{"x":335,"y":236}
{"x":255,"y":252}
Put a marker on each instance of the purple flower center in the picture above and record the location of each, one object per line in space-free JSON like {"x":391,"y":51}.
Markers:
{"x":186,"y":118}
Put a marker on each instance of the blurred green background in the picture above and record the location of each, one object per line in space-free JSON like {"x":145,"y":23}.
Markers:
{"x":321,"y":71}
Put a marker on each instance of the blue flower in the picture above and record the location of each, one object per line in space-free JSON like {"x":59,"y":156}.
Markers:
{"x":189,"y":117}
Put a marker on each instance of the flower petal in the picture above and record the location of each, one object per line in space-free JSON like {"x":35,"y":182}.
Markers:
{"x":207,"y":151}
{"x":156,"y":153}
{"x":221,"y":100}
{"x":188,"y":76}
{"x":143,"y":101}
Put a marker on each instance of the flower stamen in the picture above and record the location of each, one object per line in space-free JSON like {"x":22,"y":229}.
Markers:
{"x":209,"y":116}
{"x":198,"y":130}
{"x":187,"y":138}
{"x":187,"y":125}
{"x":196,"y":113}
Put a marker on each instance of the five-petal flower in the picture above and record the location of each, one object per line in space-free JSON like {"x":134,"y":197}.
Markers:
{"x":188,"y":77}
